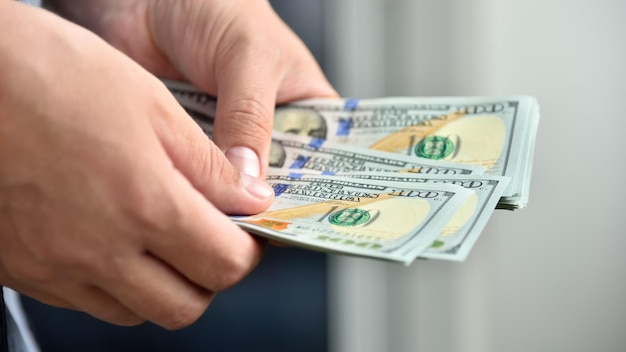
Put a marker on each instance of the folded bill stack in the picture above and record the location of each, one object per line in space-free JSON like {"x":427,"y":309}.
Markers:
{"x":393,"y":178}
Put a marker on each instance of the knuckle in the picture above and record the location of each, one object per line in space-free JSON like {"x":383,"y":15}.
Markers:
{"x":213,"y":164}
{"x":34,"y":275}
{"x":121,"y":316}
{"x":232,"y":270}
{"x":151,"y":209}
{"x":184,"y":315}
{"x":33,"y":271}
{"x":249,"y":115}
{"x":130,"y":320}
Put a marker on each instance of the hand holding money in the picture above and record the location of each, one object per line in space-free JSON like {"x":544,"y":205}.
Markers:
{"x":107,"y":188}
{"x":378,"y":219}
{"x":443,"y":140}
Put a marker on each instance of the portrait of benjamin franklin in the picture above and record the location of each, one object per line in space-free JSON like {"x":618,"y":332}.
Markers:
{"x":300,"y":121}
{"x":277,"y":154}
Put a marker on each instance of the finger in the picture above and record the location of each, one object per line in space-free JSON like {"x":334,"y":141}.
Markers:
{"x":278,"y":244}
{"x":248,"y":89}
{"x":87,"y":299}
{"x":305,"y":79}
{"x":99,"y":304}
{"x":203,"y":244}
{"x":199,"y":249}
{"x":154,"y":291}
{"x":304,"y":86}
{"x":44,"y":297}
{"x":206,"y":167}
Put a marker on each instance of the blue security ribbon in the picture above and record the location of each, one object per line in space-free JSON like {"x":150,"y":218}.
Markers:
{"x":316,"y":143}
{"x":280,"y":188}
{"x":295,"y":174}
{"x":351,"y":104}
{"x":344,"y":127}
{"x":300,"y":161}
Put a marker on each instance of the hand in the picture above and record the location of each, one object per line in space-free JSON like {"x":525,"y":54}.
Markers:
{"x":111,"y":197}
{"x":237,"y":50}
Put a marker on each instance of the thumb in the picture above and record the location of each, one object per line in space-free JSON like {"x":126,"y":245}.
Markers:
{"x":244,"y":117}
{"x":205,"y":166}
{"x":248,"y":88}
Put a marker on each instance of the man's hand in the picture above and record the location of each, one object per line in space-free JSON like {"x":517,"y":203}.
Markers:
{"x":237,"y":50}
{"x":111,"y":198}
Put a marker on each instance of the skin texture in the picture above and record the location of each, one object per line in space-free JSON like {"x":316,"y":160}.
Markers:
{"x":112,"y":200}
{"x":237,"y":50}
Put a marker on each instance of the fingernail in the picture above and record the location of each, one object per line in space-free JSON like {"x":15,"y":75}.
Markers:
{"x":244,"y":159}
{"x":256,"y":187}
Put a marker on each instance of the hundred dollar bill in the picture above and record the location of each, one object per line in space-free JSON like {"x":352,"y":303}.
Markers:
{"x":496,"y":133}
{"x":377,"y":219}
{"x":461,"y":233}
{"x":290,"y":151}
{"x":303,"y":153}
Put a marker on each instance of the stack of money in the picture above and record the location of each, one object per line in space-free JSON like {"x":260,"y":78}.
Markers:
{"x":379,"y":219}
{"x":495,"y":133}
{"x":347,"y":173}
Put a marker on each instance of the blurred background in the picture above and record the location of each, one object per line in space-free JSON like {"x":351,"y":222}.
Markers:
{"x":546,"y":278}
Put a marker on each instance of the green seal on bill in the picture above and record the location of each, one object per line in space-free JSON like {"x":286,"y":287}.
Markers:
{"x":349,"y":217}
{"x":434,"y":147}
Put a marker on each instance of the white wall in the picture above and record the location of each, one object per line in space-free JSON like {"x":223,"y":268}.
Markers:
{"x":551,"y":277}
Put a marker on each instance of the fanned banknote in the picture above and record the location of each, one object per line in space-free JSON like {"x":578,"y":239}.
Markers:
{"x":460,"y":234}
{"x":293,"y":152}
{"x":377,"y":219}
{"x":495,"y":133}
{"x":462,"y":231}
{"x":326,"y":151}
